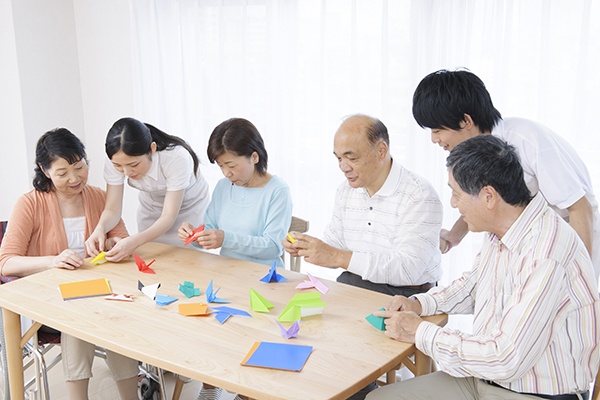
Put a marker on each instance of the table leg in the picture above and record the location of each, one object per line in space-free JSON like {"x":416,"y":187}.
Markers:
{"x":423,"y":363}
{"x":14,"y":355}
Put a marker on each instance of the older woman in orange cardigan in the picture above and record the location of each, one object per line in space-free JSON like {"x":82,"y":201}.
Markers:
{"x":47,"y":229}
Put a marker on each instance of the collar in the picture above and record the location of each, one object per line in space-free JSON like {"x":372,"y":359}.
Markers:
{"x":520,"y":228}
{"x":391,"y":182}
{"x":153,"y":171}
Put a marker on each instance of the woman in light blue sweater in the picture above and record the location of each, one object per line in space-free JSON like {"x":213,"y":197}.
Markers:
{"x":251,"y":210}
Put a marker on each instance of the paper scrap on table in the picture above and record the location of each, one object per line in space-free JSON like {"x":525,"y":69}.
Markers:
{"x":290,"y":357}
{"x":191,"y":237}
{"x":212,"y":297}
{"x":223,"y":313}
{"x":119,"y":297}
{"x":188,"y":289}
{"x":313,"y":282}
{"x":377,"y":322}
{"x":194,"y":309}
{"x":99,"y":259}
{"x":259,"y":303}
{"x":162,"y":300}
{"x":83,"y":289}
{"x":292,"y":240}
{"x":150,"y":290}
{"x":273,"y":276}
{"x":302,"y":305}
{"x":292,"y":332}
{"x":141,"y":264}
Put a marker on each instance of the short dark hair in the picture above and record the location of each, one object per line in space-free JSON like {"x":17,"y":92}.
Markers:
{"x":135,"y":138}
{"x":54,"y":144}
{"x":486,"y":160}
{"x":238,"y":136}
{"x":442,"y":99}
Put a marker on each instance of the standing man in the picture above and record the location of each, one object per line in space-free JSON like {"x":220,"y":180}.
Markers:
{"x":386,"y":220}
{"x":456,"y":106}
{"x":532,"y":291}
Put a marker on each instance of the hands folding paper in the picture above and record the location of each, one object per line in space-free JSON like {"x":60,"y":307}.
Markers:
{"x":99,"y":257}
{"x":141,"y":264}
{"x":191,"y":237}
{"x":273,"y":276}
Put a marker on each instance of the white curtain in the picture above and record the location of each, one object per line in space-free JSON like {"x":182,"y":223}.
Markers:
{"x":296,"y":67}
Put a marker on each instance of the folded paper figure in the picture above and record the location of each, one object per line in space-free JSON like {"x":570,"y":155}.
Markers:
{"x":273,"y":276}
{"x":149,"y":291}
{"x":292,"y":332}
{"x":99,"y":257}
{"x":290,"y":357}
{"x":119,"y":297}
{"x":188,"y":289}
{"x":141,"y":264}
{"x":83,"y":289}
{"x":223,"y":313}
{"x":162,"y":300}
{"x":313,"y":282}
{"x":302,"y":305}
{"x":194,"y":309}
{"x":212,"y":297}
{"x":292,"y":240}
{"x":191,"y":237}
{"x":377,"y":322}
{"x":259,"y":303}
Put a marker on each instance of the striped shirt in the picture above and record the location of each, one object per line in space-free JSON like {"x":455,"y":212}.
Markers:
{"x":536,"y":310}
{"x":393,"y":235}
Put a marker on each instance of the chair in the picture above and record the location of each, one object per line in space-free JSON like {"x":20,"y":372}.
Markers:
{"x":297,"y":225}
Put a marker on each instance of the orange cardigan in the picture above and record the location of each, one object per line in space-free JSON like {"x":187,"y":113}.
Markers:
{"x":36,"y":228}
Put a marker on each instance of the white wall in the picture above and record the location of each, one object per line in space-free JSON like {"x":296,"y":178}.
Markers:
{"x":64,"y":63}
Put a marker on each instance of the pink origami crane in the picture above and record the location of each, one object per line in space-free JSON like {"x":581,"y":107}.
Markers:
{"x":190,"y":238}
{"x":313,"y":283}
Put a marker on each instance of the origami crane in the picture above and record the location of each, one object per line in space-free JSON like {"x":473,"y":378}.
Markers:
{"x":273,"y":276}
{"x":191,"y":237}
{"x":212,"y":297}
{"x":141,"y":264}
{"x":313,"y":283}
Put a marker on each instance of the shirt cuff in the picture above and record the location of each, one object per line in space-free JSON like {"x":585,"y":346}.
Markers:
{"x":428,"y":303}
{"x":359,"y":264}
{"x":425,"y":337}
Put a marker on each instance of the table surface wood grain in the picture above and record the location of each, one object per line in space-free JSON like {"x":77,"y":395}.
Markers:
{"x":348,"y":352}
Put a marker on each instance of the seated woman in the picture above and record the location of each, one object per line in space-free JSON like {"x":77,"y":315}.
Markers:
{"x":250,"y":211}
{"x":47,"y":229}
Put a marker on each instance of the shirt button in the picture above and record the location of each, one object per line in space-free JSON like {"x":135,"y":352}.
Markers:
{"x":370,"y":208}
{"x":369,"y":223}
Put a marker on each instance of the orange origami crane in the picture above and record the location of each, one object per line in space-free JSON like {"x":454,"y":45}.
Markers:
{"x":190,"y":238}
{"x":141,"y":264}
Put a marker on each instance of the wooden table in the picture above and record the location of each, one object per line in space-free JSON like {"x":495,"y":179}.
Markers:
{"x":348,"y":352}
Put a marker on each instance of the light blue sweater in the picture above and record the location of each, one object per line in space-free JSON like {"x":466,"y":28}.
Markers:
{"x":255,"y":220}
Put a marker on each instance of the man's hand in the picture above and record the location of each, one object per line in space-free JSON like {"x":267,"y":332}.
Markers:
{"x":400,"y":325}
{"x":401,"y":303}
{"x":317,"y":252}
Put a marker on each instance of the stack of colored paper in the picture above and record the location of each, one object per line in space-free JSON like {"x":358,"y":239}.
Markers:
{"x":290,"y":357}
{"x":82,"y":289}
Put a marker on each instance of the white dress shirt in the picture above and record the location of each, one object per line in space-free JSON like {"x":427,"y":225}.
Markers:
{"x":393,"y":235}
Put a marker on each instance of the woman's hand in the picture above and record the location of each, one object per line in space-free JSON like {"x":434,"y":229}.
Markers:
{"x":110,"y":242}
{"x":211,"y":239}
{"x":68,"y":259}
{"x":95,"y":243}
{"x":185,"y":230}
{"x":121,"y":249}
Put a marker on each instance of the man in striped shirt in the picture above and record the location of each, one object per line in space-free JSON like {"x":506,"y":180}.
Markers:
{"x":386,"y":220}
{"x":532,"y":291}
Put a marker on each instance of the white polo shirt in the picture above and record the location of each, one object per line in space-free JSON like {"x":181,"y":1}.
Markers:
{"x":171,"y":170}
{"x":393,"y":235}
{"x":552,"y":167}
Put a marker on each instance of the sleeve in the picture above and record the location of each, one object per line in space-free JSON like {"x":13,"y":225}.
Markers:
{"x":277,"y":224}
{"x":560,"y":173}
{"x":18,"y":232}
{"x":178,"y":167}
{"x":415,"y":251}
{"x":532,"y":315}
{"x":111,"y":175}
{"x":333,"y":234}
